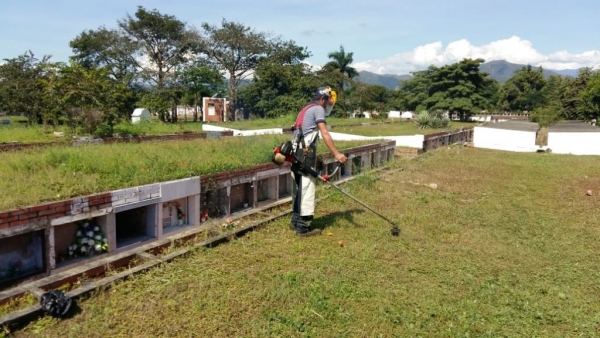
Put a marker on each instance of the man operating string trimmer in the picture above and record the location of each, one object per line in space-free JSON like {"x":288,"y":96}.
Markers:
{"x":310,"y":121}
{"x":302,"y":153}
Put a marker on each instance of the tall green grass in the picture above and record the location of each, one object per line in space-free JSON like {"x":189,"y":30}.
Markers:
{"x":23,"y":133}
{"x":34,"y":176}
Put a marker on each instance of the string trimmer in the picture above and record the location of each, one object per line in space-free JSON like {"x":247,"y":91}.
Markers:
{"x":325,"y":178}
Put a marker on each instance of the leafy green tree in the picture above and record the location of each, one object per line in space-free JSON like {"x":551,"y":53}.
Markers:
{"x":84,"y":97}
{"x":201,"y":79}
{"x":21,"y":87}
{"x":156,"y":103}
{"x":460,"y":87}
{"x":590,"y":98}
{"x":282,"y":83}
{"x":415,"y":91}
{"x":166,"y":42}
{"x":238,"y":50}
{"x":111,"y":49}
{"x":523,"y":91}
{"x":365,"y":97}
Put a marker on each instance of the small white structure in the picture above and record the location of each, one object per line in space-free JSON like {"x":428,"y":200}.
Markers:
{"x":140,"y":114}
{"x":407,"y":115}
{"x":394,"y":114}
{"x":481,"y":118}
{"x":517,"y":136}
{"x":574,"y":137}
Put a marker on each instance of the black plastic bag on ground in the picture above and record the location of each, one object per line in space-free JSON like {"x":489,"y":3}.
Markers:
{"x":56,"y":303}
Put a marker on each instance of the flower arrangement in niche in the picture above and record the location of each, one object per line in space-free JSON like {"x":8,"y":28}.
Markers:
{"x":89,"y":241}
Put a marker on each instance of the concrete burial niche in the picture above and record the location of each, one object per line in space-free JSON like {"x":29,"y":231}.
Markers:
{"x":135,"y":225}
{"x":214,"y":202}
{"x":266,"y":190}
{"x":285,"y":185}
{"x":68,"y":239}
{"x":356,"y":165}
{"x":175,"y":215}
{"x":241,"y":197}
{"x":180,"y":204}
{"x":21,"y":256}
{"x":64,"y":236}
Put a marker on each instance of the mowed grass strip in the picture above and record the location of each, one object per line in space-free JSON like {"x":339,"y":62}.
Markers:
{"x":505,"y":246}
{"x":39,"y":175}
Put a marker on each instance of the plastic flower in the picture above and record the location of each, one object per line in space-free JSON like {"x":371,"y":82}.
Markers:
{"x":98,"y":247}
{"x":97,"y":237}
{"x":96,"y":229}
{"x":78,"y":233}
{"x":83,"y":249}
{"x":90,"y":234}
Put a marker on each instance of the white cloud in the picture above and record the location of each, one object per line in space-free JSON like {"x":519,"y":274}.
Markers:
{"x":513,"y":49}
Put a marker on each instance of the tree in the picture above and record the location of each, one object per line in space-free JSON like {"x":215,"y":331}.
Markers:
{"x":21,"y":89}
{"x":459,"y":87}
{"x":84,"y":98}
{"x":415,"y":91}
{"x":166,"y":42}
{"x":590,"y":98}
{"x":341,"y":62}
{"x":364,"y":97}
{"x":237,"y":49}
{"x":523,"y":91}
{"x":113,"y":50}
{"x":282,"y":82}
{"x":201,"y":79}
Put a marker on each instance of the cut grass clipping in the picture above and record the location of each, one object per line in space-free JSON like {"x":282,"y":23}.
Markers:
{"x":505,"y":246}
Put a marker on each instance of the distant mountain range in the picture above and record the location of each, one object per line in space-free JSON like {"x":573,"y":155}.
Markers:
{"x":499,"y":70}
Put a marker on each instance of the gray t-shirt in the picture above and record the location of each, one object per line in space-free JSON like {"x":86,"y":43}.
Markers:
{"x":313,"y":115}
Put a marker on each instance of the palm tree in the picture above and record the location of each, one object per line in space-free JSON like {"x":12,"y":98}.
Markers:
{"x":341,"y":62}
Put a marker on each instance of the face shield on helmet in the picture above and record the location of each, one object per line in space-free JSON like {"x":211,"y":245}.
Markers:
{"x":330,"y":97}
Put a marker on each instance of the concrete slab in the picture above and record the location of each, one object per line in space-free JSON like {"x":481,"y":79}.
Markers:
{"x":573,"y":127}
{"x":513,"y":125}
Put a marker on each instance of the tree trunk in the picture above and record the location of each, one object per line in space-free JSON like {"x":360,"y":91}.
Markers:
{"x":195,"y":108}
{"x":174,"y":112}
{"x":233,"y":98}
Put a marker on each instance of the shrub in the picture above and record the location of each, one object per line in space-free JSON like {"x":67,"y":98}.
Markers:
{"x":423,"y":120}
{"x":434,"y":120}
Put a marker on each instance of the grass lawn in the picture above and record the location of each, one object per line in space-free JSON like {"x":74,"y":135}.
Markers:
{"x":27,"y":134}
{"x":22,"y":133}
{"x":394,"y":129}
{"x":506,"y":246}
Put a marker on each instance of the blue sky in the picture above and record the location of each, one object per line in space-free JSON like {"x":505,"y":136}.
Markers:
{"x":386,"y":36}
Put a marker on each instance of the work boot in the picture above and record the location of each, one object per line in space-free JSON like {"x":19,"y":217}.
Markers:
{"x":300,"y":221}
{"x":308,"y":233}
